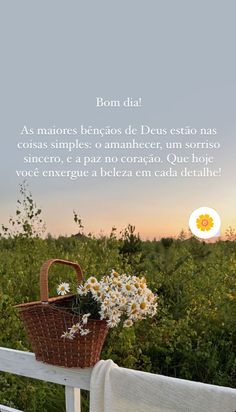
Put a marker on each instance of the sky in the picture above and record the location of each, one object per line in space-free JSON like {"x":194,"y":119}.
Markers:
{"x":177,"y":56}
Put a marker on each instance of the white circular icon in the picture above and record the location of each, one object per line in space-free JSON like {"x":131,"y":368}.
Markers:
{"x":205,"y":223}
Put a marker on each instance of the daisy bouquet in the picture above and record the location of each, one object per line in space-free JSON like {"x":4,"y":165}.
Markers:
{"x":117,"y":299}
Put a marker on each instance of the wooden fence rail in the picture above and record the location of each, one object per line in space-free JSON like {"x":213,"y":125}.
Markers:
{"x":25,"y":364}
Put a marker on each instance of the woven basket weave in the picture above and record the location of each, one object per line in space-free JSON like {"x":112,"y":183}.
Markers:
{"x":46,"y":320}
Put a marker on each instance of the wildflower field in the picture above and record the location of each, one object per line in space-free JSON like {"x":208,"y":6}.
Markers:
{"x":192,"y":335}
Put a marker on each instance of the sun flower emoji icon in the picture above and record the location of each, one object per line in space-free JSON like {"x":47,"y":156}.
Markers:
{"x":205,"y":223}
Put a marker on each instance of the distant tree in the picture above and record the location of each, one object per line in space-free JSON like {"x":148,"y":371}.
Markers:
{"x":27,"y":221}
{"x":167,"y":242}
{"x":131,"y":244}
{"x":169,"y":260}
{"x":182,"y":235}
{"x":78,"y":221}
{"x":113,"y":233}
{"x":230,"y":234}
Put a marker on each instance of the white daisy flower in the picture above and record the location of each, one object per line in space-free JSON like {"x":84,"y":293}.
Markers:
{"x":67,"y":335}
{"x":84,"y":332}
{"x":128,"y":323}
{"x":143,"y":306}
{"x":127,"y":288}
{"x":132,"y":306}
{"x":85,"y":318}
{"x":114,"y":273}
{"x":92,"y":280}
{"x":74,"y":328}
{"x":112,"y":323}
{"x":81,"y":290}
{"x":102,"y":315}
{"x":118,"y":297}
{"x":63,"y":288}
{"x":96,"y":288}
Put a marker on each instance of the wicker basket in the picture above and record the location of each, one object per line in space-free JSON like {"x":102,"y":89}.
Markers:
{"x":46,"y":320}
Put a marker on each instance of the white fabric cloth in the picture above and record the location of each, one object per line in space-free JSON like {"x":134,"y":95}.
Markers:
{"x":115,"y":389}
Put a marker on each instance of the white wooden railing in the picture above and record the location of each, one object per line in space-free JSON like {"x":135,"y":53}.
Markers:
{"x":24,"y":364}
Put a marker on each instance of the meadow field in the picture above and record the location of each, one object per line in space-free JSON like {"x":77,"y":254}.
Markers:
{"x":193,"y":335}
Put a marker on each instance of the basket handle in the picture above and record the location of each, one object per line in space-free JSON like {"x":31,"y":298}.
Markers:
{"x":44,"y":275}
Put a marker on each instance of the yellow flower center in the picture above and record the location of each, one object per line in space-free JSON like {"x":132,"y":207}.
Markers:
{"x":134,"y":312}
{"x":128,"y":287}
{"x":96,"y":287}
{"x":93,"y":280}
